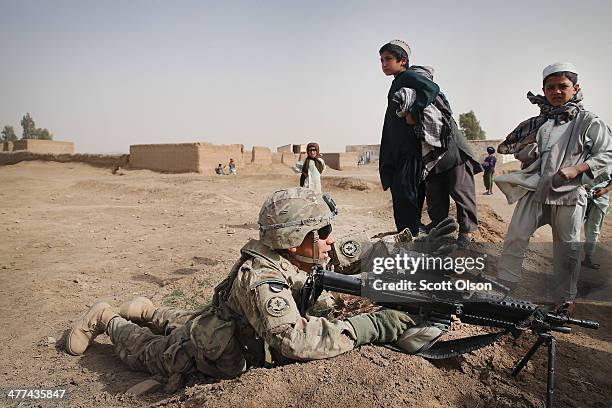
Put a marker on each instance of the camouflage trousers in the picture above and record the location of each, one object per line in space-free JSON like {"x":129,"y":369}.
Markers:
{"x":167,"y":353}
{"x":173,"y":350}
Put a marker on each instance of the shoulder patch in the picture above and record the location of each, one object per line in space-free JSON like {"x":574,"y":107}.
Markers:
{"x":277,"y":306}
{"x":350,"y":248}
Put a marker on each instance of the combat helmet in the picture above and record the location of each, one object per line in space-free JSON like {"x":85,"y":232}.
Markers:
{"x":287,"y":216}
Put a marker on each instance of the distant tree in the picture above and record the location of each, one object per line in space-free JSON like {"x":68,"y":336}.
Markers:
{"x":29,"y":127}
{"x":43,"y":134}
{"x":30,"y":131}
{"x":8,"y":134}
{"x":471,"y":126}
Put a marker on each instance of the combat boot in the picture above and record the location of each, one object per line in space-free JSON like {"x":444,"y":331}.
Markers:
{"x":88,"y":326}
{"x":139,"y":309}
{"x":419,"y":338}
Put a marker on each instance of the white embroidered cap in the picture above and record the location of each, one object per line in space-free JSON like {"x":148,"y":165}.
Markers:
{"x":403,"y":45}
{"x":559,"y":67}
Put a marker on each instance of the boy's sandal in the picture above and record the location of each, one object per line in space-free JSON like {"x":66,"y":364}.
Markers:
{"x":591,"y":265}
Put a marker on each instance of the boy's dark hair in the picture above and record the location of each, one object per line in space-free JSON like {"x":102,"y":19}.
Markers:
{"x":569,"y":75}
{"x":394,"y":50}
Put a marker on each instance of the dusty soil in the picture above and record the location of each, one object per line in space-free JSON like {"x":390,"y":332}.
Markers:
{"x":72,"y":234}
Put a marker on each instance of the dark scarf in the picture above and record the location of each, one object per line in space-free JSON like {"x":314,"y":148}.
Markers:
{"x":525,"y":133}
{"x":307,"y":160}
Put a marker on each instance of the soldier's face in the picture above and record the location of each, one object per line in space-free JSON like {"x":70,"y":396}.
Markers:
{"x":324,"y":246}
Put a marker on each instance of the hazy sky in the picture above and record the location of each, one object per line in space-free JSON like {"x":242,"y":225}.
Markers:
{"x":107,"y":74}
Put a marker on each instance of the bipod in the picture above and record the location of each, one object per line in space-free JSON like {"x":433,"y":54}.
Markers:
{"x":551,"y":342}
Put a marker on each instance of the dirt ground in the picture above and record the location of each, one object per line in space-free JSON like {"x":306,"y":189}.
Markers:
{"x":71,"y":234}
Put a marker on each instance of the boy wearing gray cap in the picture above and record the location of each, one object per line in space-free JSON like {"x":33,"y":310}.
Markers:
{"x":556,"y":148}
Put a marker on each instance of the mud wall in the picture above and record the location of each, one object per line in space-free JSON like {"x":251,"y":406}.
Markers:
{"x":44,"y":146}
{"x":210,"y":155}
{"x":341,"y":161}
{"x":285,"y":148}
{"x":289,"y":158}
{"x":170,"y":158}
{"x":261,"y":155}
{"x":7,"y":146}
{"x":184,"y":157}
{"x":99,"y":160}
{"x":374,"y":150}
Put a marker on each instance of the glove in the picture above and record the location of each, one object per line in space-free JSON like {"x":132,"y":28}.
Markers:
{"x":440,"y":240}
{"x":419,"y":338}
{"x":383,"y":326}
{"x":445,"y":230}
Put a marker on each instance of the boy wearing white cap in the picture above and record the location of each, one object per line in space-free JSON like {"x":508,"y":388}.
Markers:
{"x":556,"y":148}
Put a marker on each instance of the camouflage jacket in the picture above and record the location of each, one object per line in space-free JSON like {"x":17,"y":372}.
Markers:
{"x":256,"y":303}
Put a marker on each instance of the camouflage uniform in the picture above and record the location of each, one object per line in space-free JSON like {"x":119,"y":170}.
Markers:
{"x":255,"y":306}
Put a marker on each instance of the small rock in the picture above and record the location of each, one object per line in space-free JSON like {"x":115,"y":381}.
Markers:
{"x":50,"y":340}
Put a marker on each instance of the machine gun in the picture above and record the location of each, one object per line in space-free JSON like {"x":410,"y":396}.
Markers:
{"x":513,"y":316}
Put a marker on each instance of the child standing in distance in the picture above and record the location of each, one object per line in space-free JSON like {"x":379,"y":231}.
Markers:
{"x":489,"y":170}
{"x":597,"y":208}
{"x":312,"y":168}
{"x":556,"y":148}
{"x":232,"y":166}
{"x":400,"y":151}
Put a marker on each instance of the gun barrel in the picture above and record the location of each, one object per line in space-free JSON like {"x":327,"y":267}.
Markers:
{"x":588,"y":324}
{"x":339,"y":283}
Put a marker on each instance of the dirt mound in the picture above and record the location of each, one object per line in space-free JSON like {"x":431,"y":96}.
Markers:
{"x":349,"y":183}
{"x":491,"y":227}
